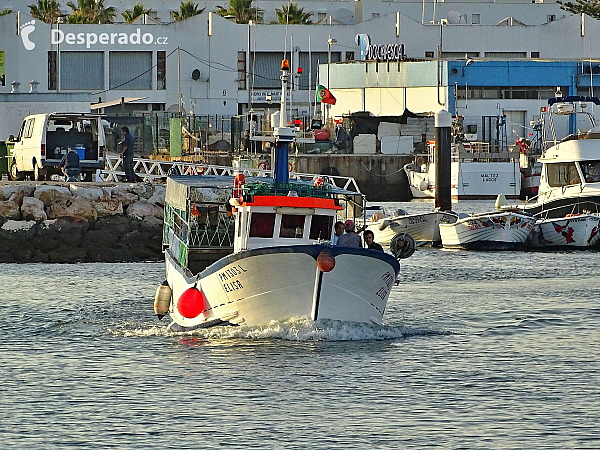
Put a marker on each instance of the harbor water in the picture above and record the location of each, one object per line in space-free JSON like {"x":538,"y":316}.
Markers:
{"x":478,"y":350}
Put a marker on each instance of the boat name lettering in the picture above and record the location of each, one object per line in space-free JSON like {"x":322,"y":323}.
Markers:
{"x":388,"y":279}
{"x":447,"y":219}
{"x":416,"y":219}
{"x":231,"y":272}
{"x":233,"y":286}
{"x":491,"y":177}
{"x":473,"y":224}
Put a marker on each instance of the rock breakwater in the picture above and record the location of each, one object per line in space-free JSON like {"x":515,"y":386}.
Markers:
{"x":80,"y":222}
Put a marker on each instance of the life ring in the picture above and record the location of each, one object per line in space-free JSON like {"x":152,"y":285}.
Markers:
{"x":319,"y":181}
{"x":238,"y":184}
{"x":263,"y":165}
{"x":290,"y":167}
{"x":403,"y":246}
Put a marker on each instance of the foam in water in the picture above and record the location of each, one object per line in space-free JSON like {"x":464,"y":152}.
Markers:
{"x":302,"y":329}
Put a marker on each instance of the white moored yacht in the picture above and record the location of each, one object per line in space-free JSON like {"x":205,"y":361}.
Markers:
{"x":283,"y":264}
{"x":570,"y":178}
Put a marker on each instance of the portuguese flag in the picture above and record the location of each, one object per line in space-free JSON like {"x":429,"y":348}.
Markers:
{"x":324,"y":95}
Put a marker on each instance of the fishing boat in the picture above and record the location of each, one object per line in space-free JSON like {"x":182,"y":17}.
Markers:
{"x":282,"y":265}
{"x":570,"y":175}
{"x":424,"y":228}
{"x":575,"y":231}
{"x":500,"y":230}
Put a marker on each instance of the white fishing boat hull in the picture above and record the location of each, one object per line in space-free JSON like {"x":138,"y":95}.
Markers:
{"x":495,"y":231}
{"x":469,"y":180}
{"x":424,"y":228}
{"x":258,"y":286}
{"x":577,"y":231}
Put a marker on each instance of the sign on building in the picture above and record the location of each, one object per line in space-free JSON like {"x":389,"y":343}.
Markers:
{"x":380,"y":52}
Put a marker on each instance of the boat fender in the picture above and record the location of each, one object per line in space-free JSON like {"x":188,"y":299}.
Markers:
{"x":403,"y":246}
{"x":384,"y":224}
{"x":192,"y":302}
{"x":325,"y":260}
{"x":162,"y":300}
{"x":423,"y":185}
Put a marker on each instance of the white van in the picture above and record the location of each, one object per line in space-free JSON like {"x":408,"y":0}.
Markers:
{"x":45,"y":138}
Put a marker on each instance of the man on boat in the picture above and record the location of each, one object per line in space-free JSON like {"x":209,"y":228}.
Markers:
{"x":338,"y":230}
{"x":350,"y":238}
{"x":370,"y":241}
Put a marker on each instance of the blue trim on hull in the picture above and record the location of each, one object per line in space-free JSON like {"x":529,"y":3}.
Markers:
{"x":487,"y":245}
{"x":312,"y":250}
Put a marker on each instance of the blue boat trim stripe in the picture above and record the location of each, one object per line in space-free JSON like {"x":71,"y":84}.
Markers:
{"x":312,"y":250}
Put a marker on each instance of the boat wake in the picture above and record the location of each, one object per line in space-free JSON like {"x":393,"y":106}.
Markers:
{"x":290,"y":330}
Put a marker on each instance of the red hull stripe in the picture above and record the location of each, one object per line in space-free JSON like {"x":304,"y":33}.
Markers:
{"x":298,"y":202}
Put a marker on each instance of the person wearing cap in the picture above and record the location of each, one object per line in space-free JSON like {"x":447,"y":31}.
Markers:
{"x":350,"y":238}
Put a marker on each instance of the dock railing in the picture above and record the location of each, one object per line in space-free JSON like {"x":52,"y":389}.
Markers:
{"x":153,"y":169}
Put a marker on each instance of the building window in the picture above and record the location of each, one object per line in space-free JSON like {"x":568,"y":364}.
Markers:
{"x":52,"y":82}
{"x":81,"y":70}
{"x":161,"y":70}
{"x":260,"y":16}
{"x":262,"y":225}
{"x":374,"y":15}
{"x":292,"y":226}
{"x":429,"y":54}
{"x":506,"y":55}
{"x":349,"y":56}
{"x":320,"y":227}
{"x":551,"y":18}
{"x":535,"y":54}
{"x":241,"y":68}
{"x":130,"y":70}
{"x":475,"y":19}
{"x":460,"y":55}
{"x":321,"y":16}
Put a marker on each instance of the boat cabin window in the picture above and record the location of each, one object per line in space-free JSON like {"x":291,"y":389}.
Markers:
{"x":591,"y":171}
{"x":320,"y":227}
{"x":292,"y":226}
{"x":262,"y":225}
{"x":562,"y":174}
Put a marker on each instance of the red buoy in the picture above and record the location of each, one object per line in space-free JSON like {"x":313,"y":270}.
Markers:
{"x":325,"y":260}
{"x":191,"y":303}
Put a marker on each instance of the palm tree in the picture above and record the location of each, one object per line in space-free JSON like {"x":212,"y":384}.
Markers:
{"x":4,"y":12}
{"x":136,"y":12}
{"x":91,"y":11}
{"x":293,"y":15}
{"x":45,"y":10}
{"x":241,"y":9}
{"x":187,"y":10}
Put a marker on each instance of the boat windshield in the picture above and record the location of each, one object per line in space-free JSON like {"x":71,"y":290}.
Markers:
{"x":591,"y":171}
{"x":562,"y":174}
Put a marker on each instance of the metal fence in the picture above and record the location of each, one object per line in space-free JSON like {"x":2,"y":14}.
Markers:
{"x":152,"y":132}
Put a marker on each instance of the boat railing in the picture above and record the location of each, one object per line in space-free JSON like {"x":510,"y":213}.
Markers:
{"x":576,"y":209}
{"x":283,"y":189}
{"x":483,"y":153}
{"x":153,"y":169}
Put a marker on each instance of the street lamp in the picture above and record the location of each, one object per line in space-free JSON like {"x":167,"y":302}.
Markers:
{"x":330,"y":42}
{"x":59,"y":20}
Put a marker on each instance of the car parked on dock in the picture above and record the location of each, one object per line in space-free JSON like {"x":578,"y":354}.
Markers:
{"x":45,"y":138}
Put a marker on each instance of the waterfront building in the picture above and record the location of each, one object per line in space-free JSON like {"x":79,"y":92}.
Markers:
{"x":216,"y":66}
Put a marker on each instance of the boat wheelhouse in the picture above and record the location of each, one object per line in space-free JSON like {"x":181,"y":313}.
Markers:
{"x":570,"y":178}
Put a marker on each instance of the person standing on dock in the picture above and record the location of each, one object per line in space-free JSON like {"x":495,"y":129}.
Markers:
{"x":350,"y":238}
{"x":127,"y":153}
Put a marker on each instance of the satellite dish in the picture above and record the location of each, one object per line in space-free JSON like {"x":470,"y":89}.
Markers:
{"x":345,"y":16}
{"x":453,"y":17}
{"x":195,"y":75}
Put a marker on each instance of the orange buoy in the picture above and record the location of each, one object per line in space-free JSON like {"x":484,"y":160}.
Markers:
{"x":191,"y":303}
{"x":325,"y":260}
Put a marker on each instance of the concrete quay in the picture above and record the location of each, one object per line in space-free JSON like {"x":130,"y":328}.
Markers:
{"x":80,"y":222}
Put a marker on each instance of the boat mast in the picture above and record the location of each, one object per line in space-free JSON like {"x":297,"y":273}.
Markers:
{"x":283,"y":134}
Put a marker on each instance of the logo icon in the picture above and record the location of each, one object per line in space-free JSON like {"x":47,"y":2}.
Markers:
{"x":25,"y":31}
{"x":364,"y":42}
